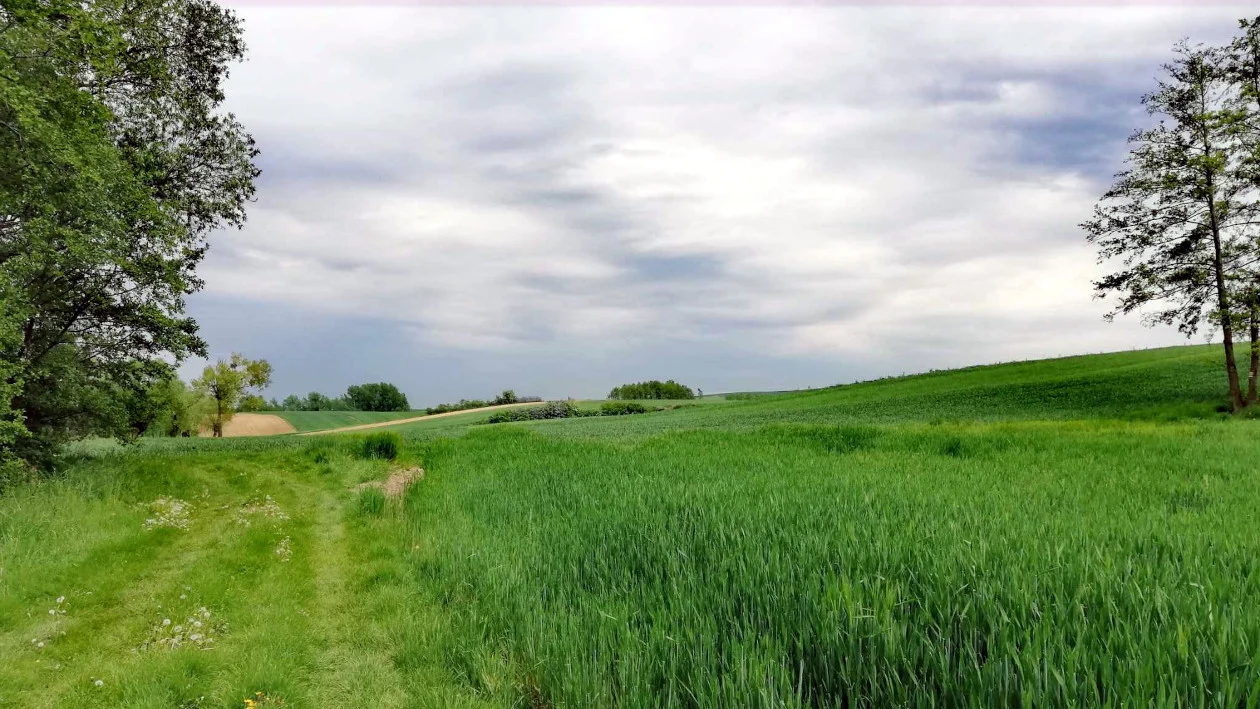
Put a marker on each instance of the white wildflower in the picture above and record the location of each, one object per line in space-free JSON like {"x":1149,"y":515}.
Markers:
{"x":267,"y":508}
{"x":284,"y":550}
{"x":168,"y":512}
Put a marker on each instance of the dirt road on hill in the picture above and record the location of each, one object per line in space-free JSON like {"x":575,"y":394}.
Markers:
{"x":395,"y":422}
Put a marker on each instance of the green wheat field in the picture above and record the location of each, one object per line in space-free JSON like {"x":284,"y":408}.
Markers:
{"x":1076,"y":532}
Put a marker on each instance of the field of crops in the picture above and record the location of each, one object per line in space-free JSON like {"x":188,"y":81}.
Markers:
{"x":1078,"y":532}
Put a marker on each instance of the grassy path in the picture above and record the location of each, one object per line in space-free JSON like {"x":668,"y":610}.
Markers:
{"x":304,"y":592}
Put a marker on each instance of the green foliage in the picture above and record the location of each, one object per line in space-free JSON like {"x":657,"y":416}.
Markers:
{"x":549,"y":410}
{"x":178,"y":410}
{"x":621,"y":408}
{"x":461,"y":405}
{"x":116,"y":163}
{"x":252,"y":403}
{"x":377,"y":397}
{"x":225,"y":382}
{"x":652,"y":390}
{"x":508,"y":396}
{"x":383,"y":445}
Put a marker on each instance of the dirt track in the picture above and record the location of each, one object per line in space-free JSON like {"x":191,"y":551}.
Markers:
{"x":395,"y":422}
{"x":254,"y":425}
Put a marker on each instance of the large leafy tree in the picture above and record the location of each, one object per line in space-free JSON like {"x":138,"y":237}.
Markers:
{"x":1179,"y":220}
{"x":116,"y":163}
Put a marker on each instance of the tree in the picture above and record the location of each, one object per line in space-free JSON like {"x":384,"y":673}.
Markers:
{"x":508,"y":396}
{"x":381,"y":396}
{"x":1177,"y":220}
{"x":1242,"y":68}
{"x":654,"y":389}
{"x":226,"y":382}
{"x":178,"y":409}
{"x":252,"y":402}
{"x":115,"y":166}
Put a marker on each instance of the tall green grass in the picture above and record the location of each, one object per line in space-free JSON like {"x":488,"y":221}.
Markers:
{"x":1032,"y":564}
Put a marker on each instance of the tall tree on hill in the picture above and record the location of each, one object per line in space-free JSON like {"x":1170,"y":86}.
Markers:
{"x":1242,"y":67}
{"x":116,"y":163}
{"x":1178,"y":220}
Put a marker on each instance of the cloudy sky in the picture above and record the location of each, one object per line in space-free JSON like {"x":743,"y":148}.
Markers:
{"x":560,"y":199}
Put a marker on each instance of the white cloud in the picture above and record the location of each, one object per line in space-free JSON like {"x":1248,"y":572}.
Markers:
{"x":808,"y":181}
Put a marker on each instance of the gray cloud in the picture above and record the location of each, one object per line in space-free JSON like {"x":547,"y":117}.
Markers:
{"x":800,"y":189}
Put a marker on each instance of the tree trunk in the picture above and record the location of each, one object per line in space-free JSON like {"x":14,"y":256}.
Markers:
{"x":1254,"y":370}
{"x":1222,"y":297}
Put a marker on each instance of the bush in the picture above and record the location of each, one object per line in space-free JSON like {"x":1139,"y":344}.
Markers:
{"x":384,"y":445}
{"x":621,"y":408}
{"x":565,"y":410}
{"x":549,"y":410}
{"x":654,"y":389}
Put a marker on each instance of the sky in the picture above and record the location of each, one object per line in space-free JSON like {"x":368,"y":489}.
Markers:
{"x":559,"y":199}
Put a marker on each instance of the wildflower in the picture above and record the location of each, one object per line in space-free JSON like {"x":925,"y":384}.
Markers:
{"x":168,"y":512}
{"x":61,"y":599}
{"x":99,"y":682}
{"x":166,"y":621}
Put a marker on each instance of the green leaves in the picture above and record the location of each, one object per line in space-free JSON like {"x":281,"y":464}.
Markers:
{"x":115,"y":165}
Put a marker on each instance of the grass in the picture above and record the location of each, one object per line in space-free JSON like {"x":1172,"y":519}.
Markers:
{"x":305,"y":421}
{"x":1076,"y":532}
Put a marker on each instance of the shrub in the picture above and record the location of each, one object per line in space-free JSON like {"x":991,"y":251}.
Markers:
{"x":384,"y":445}
{"x":654,"y":389}
{"x":621,"y":408}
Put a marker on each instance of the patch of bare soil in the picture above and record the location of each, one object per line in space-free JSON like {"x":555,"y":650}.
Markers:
{"x":397,"y":482}
{"x":254,"y":425}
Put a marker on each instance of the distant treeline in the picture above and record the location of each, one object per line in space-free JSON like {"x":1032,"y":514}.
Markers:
{"x":508,"y":396}
{"x":654,"y":389}
{"x":380,"y":396}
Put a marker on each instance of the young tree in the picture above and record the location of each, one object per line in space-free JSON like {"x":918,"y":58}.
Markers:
{"x":226,"y":382}
{"x":1177,"y":220}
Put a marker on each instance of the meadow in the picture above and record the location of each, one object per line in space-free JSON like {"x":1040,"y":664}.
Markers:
{"x":1072,"y":532}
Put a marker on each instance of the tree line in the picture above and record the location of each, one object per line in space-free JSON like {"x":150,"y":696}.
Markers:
{"x":379,"y":396}
{"x":1180,"y":224}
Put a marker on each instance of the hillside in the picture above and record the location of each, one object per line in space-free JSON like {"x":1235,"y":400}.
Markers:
{"x":1166,"y":383}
